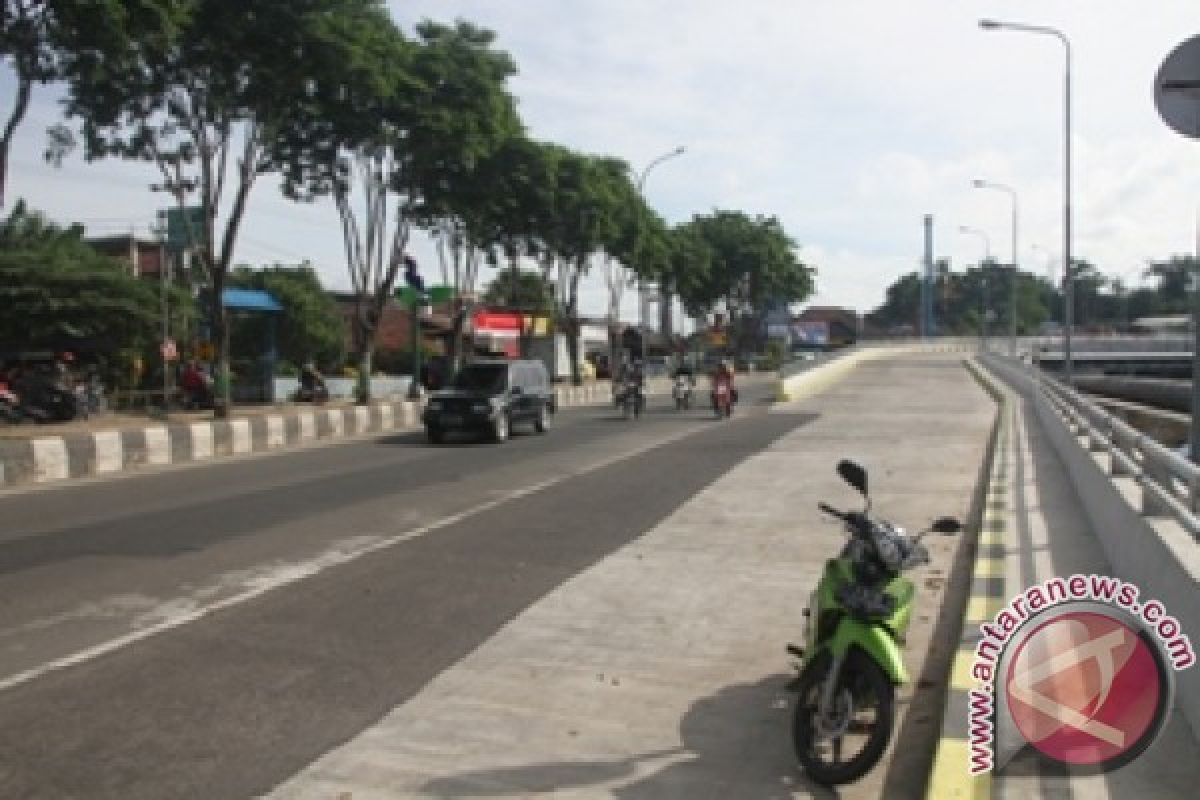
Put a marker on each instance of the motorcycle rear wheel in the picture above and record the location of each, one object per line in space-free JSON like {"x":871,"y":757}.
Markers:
{"x":863,"y":690}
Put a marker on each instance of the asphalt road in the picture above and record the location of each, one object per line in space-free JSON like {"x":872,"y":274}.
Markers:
{"x":208,"y":631}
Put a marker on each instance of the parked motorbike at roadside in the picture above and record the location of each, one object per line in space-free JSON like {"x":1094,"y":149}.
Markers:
{"x":851,"y":662}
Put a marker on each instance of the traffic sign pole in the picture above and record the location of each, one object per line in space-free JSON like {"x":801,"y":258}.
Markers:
{"x":1177,"y":98}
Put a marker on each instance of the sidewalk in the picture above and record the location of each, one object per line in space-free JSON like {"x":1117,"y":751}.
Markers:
{"x":1035,"y":530}
{"x":659,"y":672}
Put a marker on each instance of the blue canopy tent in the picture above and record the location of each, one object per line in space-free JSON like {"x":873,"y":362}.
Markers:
{"x":255,"y":381}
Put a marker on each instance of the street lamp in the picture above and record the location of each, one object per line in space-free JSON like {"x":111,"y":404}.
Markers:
{"x":1068,"y":272}
{"x":1012,"y":300}
{"x":642,"y":287}
{"x":987,"y":256}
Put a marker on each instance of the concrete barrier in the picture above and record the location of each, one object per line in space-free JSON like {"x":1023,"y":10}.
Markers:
{"x":1156,"y":553}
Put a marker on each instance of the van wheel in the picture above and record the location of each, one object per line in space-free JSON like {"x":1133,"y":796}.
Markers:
{"x":500,"y":428}
{"x":542,"y":423}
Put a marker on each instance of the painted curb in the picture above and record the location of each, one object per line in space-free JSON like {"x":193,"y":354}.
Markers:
{"x":950,"y":776}
{"x":54,"y":459}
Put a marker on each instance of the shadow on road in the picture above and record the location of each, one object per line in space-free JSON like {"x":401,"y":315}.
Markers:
{"x":734,"y":743}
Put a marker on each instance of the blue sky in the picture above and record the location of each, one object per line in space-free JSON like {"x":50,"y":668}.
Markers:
{"x":848,"y":120}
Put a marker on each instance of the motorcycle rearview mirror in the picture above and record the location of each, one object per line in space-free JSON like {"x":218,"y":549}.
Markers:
{"x":946,"y":525}
{"x":853,"y":474}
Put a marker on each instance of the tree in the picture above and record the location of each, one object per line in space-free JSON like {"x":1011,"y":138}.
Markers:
{"x":522,"y":290}
{"x":1173,"y":276}
{"x":72,"y":298}
{"x":522,"y":175}
{"x":231,"y":84}
{"x":469,"y":117}
{"x":309,"y":328}
{"x":960,"y":300}
{"x":404,"y":127}
{"x":45,"y":40}
{"x":753,"y":265}
{"x":586,"y":199}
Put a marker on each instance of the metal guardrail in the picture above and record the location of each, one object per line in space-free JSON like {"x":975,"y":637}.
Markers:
{"x":1169,"y":483}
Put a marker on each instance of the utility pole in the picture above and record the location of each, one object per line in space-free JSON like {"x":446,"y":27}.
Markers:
{"x":927,"y":281}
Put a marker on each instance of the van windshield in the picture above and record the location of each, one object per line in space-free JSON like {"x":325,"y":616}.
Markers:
{"x":481,"y":378}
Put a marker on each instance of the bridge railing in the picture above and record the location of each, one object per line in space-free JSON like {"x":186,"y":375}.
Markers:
{"x":1169,"y":484}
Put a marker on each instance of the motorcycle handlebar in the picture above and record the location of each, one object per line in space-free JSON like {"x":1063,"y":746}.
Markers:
{"x":828,"y":509}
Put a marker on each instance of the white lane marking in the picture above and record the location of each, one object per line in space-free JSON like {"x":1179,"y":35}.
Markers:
{"x":50,"y":459}
{"x":288,"y":574}
{"x":110,"y":455}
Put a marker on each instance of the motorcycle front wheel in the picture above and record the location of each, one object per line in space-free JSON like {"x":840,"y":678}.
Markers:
{"x":849,"y":740}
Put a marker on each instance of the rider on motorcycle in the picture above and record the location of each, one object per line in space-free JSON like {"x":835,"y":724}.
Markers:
{"x":633,"y":379}
{"x":312,"y":385}
{"x":723,"y":374}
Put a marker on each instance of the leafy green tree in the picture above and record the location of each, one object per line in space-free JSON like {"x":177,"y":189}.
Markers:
{"x":310,"y":326}
{"x":67,"y":296}
{"x":1173,"y":276}
{"x":473,"y":117}
{"x":213,"y":110}
{"x":522,"y":175}
{"x":753,"y":264}
{"x":587,"y":196}
{"x":406,"y":126}
{"x":960,"y":300}
{"x":42,"y":41}
{"x":523,"y":290}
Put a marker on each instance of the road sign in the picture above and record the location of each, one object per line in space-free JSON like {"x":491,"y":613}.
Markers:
{"x":408,"y":296}
{"x":185,"y":228}
{"x":1177,"y":89}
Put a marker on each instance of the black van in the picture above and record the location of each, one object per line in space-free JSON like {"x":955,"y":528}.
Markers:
{"x":490,"y":397}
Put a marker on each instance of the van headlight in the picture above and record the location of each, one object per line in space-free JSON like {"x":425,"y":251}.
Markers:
{"x":434,"y":405}
{"x":482,"y":408}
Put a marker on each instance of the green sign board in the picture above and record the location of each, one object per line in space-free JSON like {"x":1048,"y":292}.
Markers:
{"x":185,"y":228}
{"x":434,"y":294}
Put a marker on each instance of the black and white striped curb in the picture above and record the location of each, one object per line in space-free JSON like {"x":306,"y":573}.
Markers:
{"x":47,"y":459}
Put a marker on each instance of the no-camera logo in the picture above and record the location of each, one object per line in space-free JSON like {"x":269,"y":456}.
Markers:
{"x":1086,"y":689}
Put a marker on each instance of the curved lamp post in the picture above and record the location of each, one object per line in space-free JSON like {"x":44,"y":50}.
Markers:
{"x":1068,"y":271}
{"x":642,"y":287}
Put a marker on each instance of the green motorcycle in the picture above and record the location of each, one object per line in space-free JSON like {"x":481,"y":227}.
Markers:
{"x":851,"y":661}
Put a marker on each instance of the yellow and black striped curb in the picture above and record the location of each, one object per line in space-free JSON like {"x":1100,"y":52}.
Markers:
{"x":950,"y":777}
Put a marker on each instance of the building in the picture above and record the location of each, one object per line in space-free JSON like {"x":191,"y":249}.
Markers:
{"x":144,"y":256}
{"x":842,"y":325}
{"x":394,"y":331}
